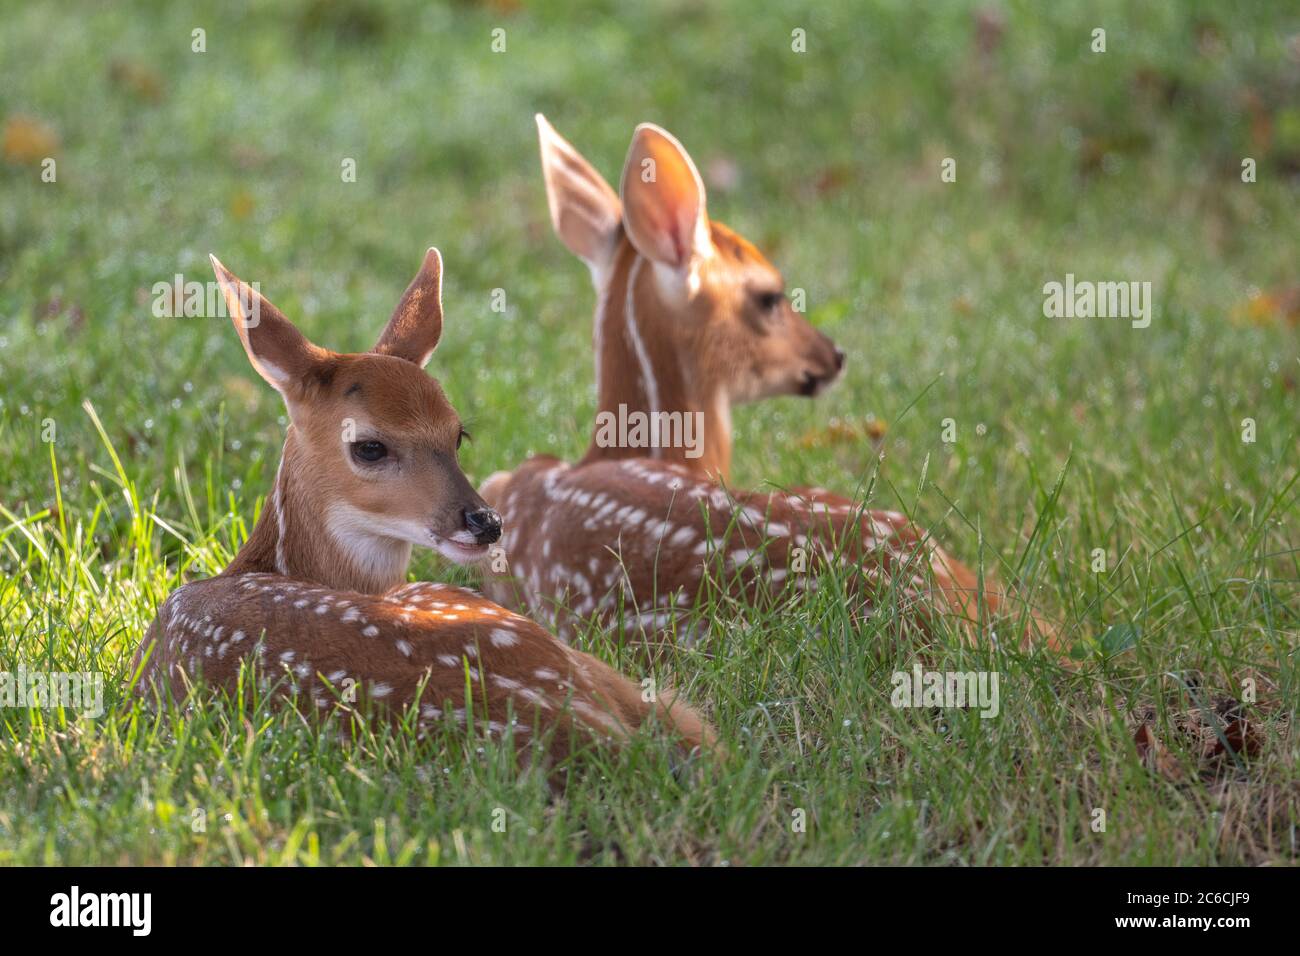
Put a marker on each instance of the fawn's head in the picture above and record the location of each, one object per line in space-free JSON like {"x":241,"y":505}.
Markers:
{"x":375,"y":451}
{"x":715,"y":304}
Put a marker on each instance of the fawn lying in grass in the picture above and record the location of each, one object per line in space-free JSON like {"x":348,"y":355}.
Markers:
{"x":318,"y":596}
{"x":690,"y":320}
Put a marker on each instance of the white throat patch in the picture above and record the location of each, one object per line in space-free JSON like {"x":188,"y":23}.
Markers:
{"x":384,"y":555}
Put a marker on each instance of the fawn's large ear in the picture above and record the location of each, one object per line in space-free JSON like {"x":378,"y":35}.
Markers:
{"x":279,"y":352}
{"x":584,"y":210}
{"x":416,"y":326}
{"x":663,"y":199}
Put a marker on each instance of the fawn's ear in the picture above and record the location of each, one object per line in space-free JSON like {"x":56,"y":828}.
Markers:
{"x":279,"y":352}
{"x":413,"y":331}
{"x":584,"y":210}
{"x":663,"y":199}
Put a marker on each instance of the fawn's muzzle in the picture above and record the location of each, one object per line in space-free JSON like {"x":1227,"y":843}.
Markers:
{"x":484,"y":524}
{"x":814,"y":382}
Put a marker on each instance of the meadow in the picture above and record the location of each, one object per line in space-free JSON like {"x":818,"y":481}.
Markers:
{"x":1140,"y":483}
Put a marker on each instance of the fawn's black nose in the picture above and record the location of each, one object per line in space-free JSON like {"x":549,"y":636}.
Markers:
{"x":839,"y":359}
{"x":484,"y":524}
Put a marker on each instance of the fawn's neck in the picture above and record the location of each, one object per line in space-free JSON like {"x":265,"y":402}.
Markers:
{"x":645,"y":374}
{"x":296,"y":538}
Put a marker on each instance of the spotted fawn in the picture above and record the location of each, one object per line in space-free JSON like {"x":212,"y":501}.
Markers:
{"x":317,"y":597}
{"x":690,"y":320}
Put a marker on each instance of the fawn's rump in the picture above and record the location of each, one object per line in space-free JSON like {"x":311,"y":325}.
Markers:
{"x":442,"y":649}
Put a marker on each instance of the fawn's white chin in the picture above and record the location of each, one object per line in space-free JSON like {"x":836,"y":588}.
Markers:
{"x":458,"y":552}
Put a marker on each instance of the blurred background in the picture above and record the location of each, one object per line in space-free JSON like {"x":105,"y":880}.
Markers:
{"x":1117,"y":165}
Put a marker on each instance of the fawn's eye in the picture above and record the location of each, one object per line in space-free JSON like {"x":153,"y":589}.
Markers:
{"x":369,"y":451}
{"x":461,"y":438}
{"x":769,"y":301}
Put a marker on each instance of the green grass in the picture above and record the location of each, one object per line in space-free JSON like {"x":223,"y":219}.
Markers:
{"x":1072,"y":434}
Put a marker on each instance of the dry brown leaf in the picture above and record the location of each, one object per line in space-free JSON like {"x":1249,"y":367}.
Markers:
{"x":1153,"y":754}
{"x":832,"y":179}
{"x":1270,"y":308}
{"x":27,"y":140}
{"x":242,"y":205}
{"x":839,"y":431}
{"x":1241,"y":737}
{"x":138,"y":79}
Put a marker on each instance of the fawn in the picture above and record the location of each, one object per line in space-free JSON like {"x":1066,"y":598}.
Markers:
{"x":690,"y":319}
{"x":318,"y":593}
